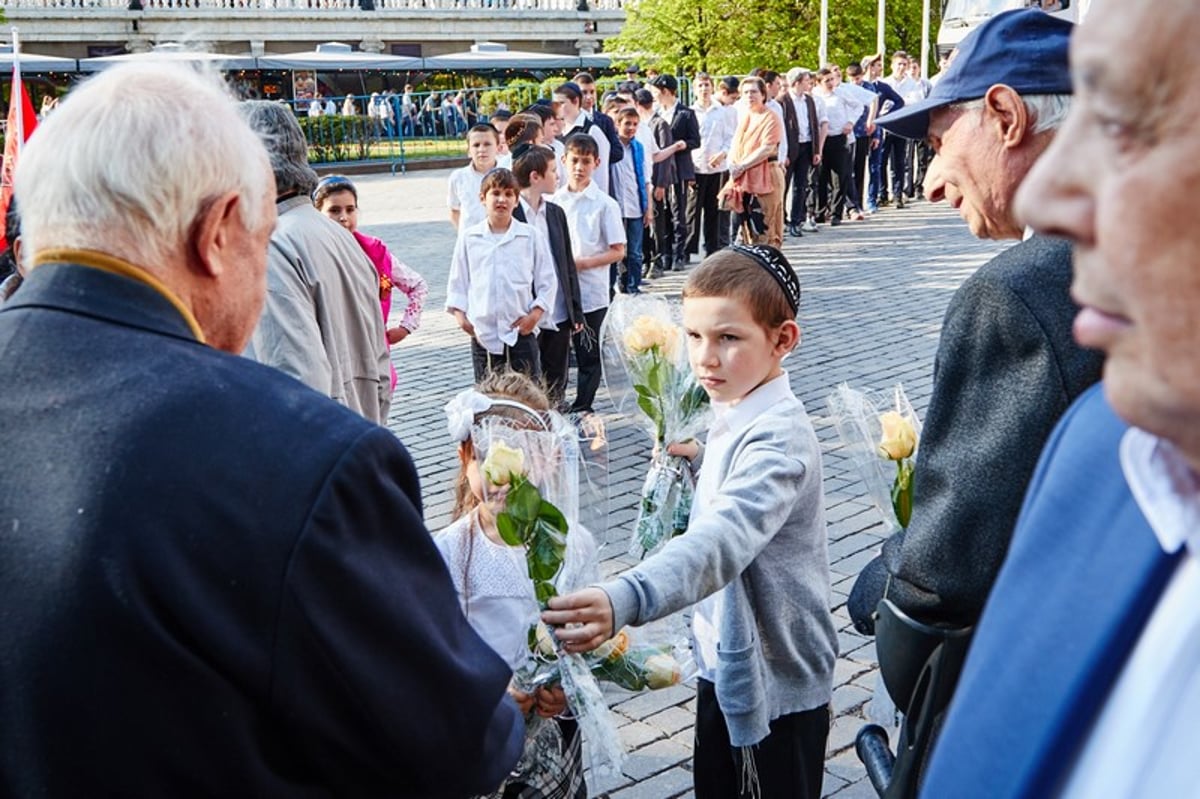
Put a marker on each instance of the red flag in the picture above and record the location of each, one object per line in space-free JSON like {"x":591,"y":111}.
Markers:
{"x":21,"y":122}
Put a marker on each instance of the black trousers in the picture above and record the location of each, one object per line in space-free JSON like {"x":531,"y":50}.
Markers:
{"x":703,"y":216}
{"x":790,"y":761}
{"x":797,"y":183}
{"x":895,"y":151}
{"x":521,"y":357}
{"x":835,"y":177}
{"x":664,"y":231}
{"x":555,"y":349}
{"x":587,"y":359}
{"x":862,"y":150}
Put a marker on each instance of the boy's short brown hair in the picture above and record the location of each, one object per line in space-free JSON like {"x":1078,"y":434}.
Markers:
{"x":537,"y":158}
{"x":728,"y":273}
{"x":499,"y":178}
{"x":484,"y":127}
{"x":582,"y":144}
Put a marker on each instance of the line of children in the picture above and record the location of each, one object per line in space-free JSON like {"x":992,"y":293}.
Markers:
{"x":337,"y":197}
{"x":502,"y":286}
{"x":754,"y":556}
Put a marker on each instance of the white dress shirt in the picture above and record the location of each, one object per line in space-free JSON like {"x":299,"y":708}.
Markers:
{"x":538,"y":220}
{"x":596,"y":224}
{"x":718,"y":123}
{"x":496,"y":278}
{"x":463,"y":196}
{"x":600,"y":176}
{"x":1141,"y":744}
{"x":801,"y":106}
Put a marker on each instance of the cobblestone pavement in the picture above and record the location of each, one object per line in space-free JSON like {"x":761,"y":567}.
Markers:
{"x":874,"y":296}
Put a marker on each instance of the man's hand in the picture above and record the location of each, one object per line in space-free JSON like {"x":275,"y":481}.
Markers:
{"x":550,"y":702}
{"x":816,"y":159}
{"x":526,"y":324}
{"x":716,"y":160}
{"x":660,"y":194}
{"x":590,"y":614}
{"x":523,"y":700}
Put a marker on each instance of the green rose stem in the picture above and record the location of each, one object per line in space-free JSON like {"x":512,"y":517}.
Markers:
{"x":532,"y":522}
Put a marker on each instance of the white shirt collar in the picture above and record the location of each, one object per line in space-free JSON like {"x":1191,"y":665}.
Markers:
{"x":734,"y":418}
{"x":515,"y":228}
{"x":1165,"y":488}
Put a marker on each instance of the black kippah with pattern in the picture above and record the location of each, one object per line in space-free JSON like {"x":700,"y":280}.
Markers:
{"x":777,"y":265}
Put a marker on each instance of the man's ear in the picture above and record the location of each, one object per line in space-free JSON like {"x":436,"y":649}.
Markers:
{"x":213,"y":231}
{"x":1005,"y":109}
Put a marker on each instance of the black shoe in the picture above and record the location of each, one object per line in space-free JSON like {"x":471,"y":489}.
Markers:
{"x":794,"y":231}
{"x":837,"y":220}
{"x":900,"y":201}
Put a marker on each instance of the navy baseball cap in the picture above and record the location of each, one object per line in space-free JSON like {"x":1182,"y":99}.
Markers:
{"x":1025,"y":49}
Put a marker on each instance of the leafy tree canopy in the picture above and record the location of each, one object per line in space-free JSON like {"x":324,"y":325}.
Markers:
{"x":734,"y":36}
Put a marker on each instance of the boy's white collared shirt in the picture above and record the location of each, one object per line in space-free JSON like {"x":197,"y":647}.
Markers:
{"x":728,"y":422}
{"x":496,"y":278}
{"x":463,"y":195}
{"x":595,"y":222}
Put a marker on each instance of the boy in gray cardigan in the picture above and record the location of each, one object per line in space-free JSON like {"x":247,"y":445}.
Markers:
{"x":755,"y":554}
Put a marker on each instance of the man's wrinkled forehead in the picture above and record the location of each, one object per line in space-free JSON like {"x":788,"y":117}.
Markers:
{"x":1159,"y":33}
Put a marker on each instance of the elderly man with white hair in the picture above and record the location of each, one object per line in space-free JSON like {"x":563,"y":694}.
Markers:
{"x":321,"y":321}
{"x":216,"y":581}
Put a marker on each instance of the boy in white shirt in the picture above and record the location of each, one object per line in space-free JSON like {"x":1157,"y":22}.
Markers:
{"x":597,"y":240}
{"x":464,"y":195}
{"x":502,"y":283}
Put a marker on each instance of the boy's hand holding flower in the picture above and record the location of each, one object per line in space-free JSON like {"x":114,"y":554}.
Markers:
{"x":590,"y":613}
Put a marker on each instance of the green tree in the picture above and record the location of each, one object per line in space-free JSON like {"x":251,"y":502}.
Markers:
{"x":727,"y":36}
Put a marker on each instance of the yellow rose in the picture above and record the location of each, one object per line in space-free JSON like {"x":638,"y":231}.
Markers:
{"x":545,"y":641}
{"x":899,"y":438}
{"x":648,"y":332}
{"x":614,"y":647}
{"x":661,"y":672}
{"x":503,"y":463}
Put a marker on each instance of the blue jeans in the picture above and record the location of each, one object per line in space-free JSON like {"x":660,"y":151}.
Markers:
{"x":630,"y":274}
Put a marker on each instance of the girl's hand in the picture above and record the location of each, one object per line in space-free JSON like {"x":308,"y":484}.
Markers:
{"x":590,"y":614}
{"x":523,"y":700}
{"x":550,"y":701}
{"x":397,"y":334}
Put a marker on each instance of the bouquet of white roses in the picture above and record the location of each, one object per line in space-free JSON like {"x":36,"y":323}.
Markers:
{"x":881,"y":436}
{"x":646,"y":370}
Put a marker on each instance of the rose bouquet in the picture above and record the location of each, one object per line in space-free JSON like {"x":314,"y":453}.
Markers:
{"x":881,"y":437}
{"x":646,"y":369}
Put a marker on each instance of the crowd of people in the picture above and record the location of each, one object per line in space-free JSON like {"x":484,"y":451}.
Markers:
{"x":200,"y":601}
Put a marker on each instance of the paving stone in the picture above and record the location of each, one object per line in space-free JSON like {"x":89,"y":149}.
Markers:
{"x":667,"y":785}
{"x":656,"y":757}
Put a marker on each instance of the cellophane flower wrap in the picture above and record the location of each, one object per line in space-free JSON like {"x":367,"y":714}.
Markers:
{"x":647,"y":373}
{"x":530,"y":477}
{"x":881,"y":436}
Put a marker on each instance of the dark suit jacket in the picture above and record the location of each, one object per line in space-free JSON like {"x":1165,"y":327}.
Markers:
{"x":663,"y":174}
{"x":1007,"y":368}
{"x":1084,"y":574}
{"x":216,"y":581}
{"x":791,"y":129}
{"x":564,"y":259}
{"x":685,"y":127}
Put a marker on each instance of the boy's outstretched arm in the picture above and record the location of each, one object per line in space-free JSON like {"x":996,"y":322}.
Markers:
{"x":589,"y":612}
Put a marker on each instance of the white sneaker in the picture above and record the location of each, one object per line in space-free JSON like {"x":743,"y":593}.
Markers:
{"x":809,"y":226}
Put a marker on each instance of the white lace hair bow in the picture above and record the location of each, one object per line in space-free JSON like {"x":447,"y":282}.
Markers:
{"x":469,"y":403}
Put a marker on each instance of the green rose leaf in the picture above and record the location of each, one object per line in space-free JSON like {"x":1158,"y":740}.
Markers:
{"x":523,"y":502}
{"x":507,"y":527}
